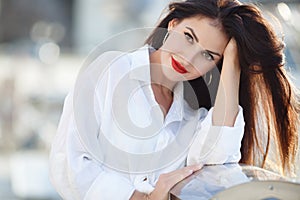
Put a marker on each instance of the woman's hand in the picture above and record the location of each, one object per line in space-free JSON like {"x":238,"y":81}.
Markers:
{"x":231,"y":59}
{"x":227,"y":100}
{"x":165,"y":183}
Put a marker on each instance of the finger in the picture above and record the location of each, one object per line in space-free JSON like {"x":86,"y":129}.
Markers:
{"x":196,"y":167}
{"x":231,"y":46}
{"x":181,"y":174}
{"x":193,"y":168}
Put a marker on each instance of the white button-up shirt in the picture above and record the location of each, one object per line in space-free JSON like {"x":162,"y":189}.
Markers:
{"x":113,"y":139}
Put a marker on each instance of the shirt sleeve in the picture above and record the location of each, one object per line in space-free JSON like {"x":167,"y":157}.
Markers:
{"x":217,"y":144}
{"x":75,"y":174}
{"x":73,"y":170}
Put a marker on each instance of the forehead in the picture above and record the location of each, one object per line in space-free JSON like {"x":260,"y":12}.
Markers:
{"x":209,"y":32}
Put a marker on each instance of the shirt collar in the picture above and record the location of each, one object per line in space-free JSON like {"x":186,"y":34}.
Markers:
{"x":140,"y":64}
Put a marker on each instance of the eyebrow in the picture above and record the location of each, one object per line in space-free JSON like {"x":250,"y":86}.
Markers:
{"x":193,"y":33}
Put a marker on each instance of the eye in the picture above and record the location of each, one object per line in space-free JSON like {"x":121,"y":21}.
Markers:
{"x":207,"y":55}
{"x":189,"y":37}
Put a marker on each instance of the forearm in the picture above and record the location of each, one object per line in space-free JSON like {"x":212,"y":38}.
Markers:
{"x":227,"y":100}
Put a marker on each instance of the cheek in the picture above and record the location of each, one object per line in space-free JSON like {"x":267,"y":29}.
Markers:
{"x":204,"y":66}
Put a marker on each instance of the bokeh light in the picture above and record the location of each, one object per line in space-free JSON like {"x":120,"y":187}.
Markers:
{"x":284,"y":11}
{"x":49,"y":53}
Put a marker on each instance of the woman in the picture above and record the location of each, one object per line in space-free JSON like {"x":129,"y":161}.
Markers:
{"x":111,"y":157}
{"x":269,"y":100}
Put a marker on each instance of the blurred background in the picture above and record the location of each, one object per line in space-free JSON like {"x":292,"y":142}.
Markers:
{"x":43,"y":44}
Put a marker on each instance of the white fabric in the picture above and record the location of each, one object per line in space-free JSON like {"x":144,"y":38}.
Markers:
{"x":217,"y":144}
{"x":83,"y":165}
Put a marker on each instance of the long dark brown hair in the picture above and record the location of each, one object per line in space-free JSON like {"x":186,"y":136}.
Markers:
{"x":269,"y":100}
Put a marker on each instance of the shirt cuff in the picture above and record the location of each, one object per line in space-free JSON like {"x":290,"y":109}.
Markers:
{"x":239,"y":120}
{"x":217,"y":144}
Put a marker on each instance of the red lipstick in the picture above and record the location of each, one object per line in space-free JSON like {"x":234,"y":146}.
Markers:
{"x":178,"y":67}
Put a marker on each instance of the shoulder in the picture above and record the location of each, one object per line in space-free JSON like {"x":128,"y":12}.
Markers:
{"x":136,"y":57}
{"x":110,"y":65}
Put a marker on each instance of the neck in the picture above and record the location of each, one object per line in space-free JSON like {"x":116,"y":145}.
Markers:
{"x":157,"y":75}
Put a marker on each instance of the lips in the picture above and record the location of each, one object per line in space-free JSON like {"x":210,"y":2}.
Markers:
{"x":177,"y":66}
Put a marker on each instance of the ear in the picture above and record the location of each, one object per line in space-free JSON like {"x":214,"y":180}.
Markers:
{"x":172,"y":23}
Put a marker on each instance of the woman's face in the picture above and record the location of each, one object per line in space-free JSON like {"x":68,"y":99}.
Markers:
{"x":193,"y":47}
